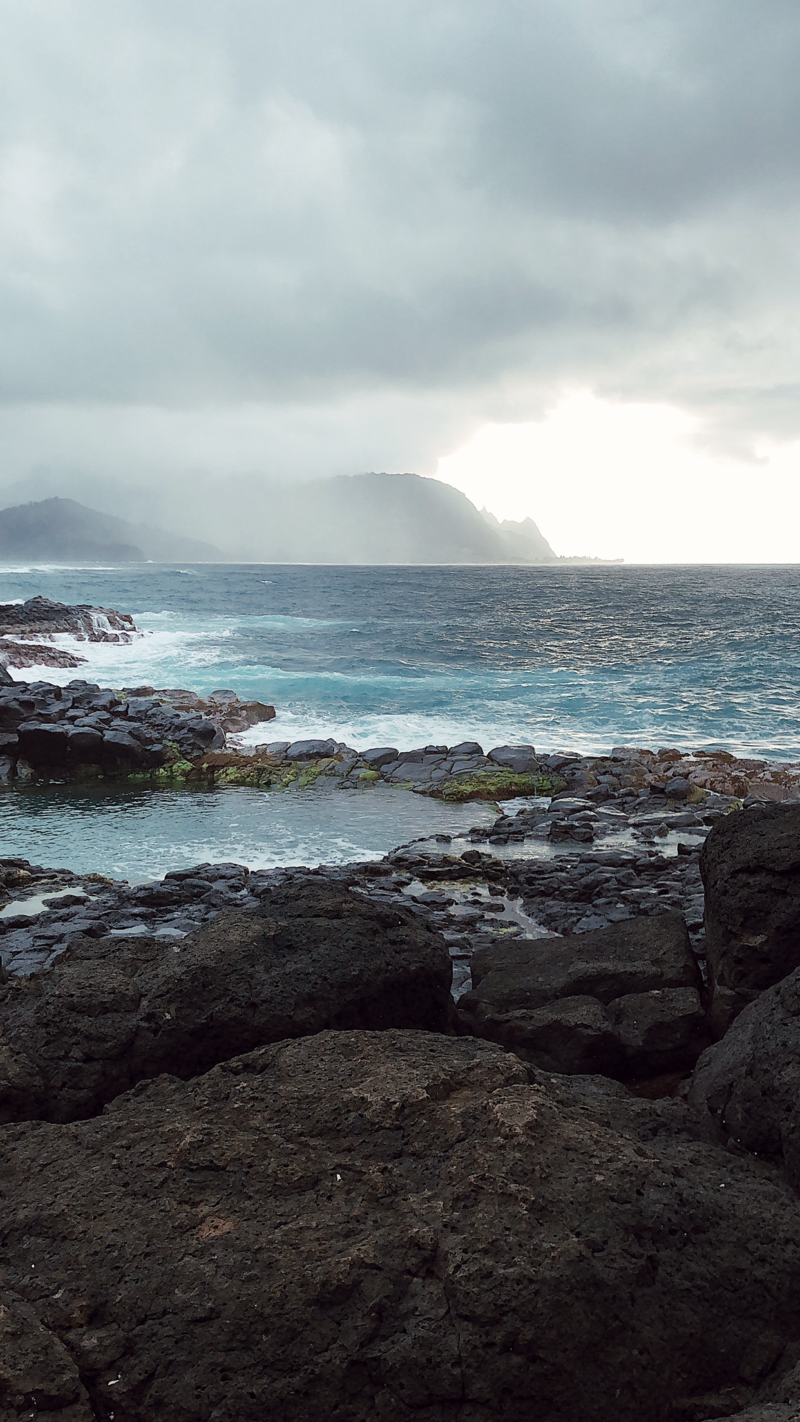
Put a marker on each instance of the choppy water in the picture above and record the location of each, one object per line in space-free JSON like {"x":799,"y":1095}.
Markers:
{"x":566,"y":658}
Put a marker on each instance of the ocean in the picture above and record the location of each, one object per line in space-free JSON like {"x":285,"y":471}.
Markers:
{"x":564,"y":658}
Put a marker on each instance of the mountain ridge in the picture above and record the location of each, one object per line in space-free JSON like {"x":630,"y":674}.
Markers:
{"x":357,"y":519}
{"x":55,"y":528}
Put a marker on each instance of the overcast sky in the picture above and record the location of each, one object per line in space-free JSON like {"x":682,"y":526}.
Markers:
{"x":324,"y":236}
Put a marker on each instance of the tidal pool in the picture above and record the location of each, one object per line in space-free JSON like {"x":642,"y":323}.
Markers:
{"x":142,"y":833}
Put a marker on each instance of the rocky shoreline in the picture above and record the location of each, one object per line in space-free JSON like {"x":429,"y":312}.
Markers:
{"x":263,"y":1155}
{"x":498,"y":1126}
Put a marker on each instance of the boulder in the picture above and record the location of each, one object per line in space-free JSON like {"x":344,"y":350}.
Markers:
{"x":310,"y":750}
{"x":379,"y":756}
{"x":638,"y":955}
{"x":390,"y":1225}
{"x":750,"y":865}
{"x":108,"y":1013}
{"x":521,"y":759}
{"x":43,"y":743}
{"x":569,"y":1034}
{"x":622,"y":1000}
{"x":6,"y":679}
{"x":85,"y":743}
{"x":120,"y":745}
{"x":750,"y":1081}
{"x":465,"y":748}
{"x":660,"y":1031}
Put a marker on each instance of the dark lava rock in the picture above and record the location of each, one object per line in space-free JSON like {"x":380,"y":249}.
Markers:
{"x":619,"y":1000}
{"x":750,"y":865}
{"x":108,"y":1013}
{"x":764,"y":1412}
{"x":379,"y":756}
{"x":750,"y":1081}
{"x":121,"y":746}
{"x":678,"y":788}
{"x":395,"y":1225}
{"x":521,"y":759}
{"x":310,"y":750}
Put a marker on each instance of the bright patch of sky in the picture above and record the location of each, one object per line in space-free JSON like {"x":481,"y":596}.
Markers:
{"x":627,"y":480}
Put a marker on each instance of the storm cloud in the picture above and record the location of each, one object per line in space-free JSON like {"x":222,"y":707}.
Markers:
{"x":297,"y":239}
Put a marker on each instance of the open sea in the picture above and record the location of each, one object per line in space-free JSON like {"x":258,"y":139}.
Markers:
{"x":566,"y":658}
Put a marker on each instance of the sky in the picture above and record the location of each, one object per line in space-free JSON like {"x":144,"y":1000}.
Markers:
{"x":545,"y":251}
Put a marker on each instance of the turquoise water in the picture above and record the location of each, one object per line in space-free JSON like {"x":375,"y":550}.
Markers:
{"x":565,"y":658}
{"x":142,"y":834}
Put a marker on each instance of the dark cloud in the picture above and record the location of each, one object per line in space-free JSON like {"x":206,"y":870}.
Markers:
{"x":335,"y":213}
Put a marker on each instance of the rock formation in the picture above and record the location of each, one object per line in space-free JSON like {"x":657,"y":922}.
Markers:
{"x":750,"y":1081}
{"x":622,"y":1000}
{"x":751,"y":872}
{"x":373,"y":1221}
{"x":389,"y":1224}
{"x":49,"y":730}
{"x":27,"y":630}
{"x":113,"y":1011}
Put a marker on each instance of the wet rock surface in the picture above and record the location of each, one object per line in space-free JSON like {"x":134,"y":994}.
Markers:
{"x":223,"y":708}
{"x":361,"y":1225}
{"x":114,"y":1010}
{"x":473,"y":899}
{"x":27,"y":630}
{"x":596,"y":795}
{"x":751,"y":871}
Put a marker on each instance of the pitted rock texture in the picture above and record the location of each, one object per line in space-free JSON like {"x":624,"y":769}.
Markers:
{"x":750,"y":865}
{"x":622,"y":1000}
{"x":39,"y":1377}
{"x":395,"y":1225}
{"x":750,"y":1081}
{"x":112,"y":1011}
{"x":765,"y":1412}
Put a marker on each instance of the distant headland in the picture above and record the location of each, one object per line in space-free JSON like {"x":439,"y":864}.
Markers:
{"x":358,"y":519}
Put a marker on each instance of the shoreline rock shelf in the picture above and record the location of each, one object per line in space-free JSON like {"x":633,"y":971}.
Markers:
{"x":80,"y":731}
{"x":27,"y":630}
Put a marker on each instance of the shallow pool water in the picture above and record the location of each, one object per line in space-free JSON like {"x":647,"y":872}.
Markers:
{"x":143,"y":833}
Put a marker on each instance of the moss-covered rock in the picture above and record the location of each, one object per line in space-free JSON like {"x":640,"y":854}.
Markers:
{"x":312,"y":770}
{"x":496,"y":785}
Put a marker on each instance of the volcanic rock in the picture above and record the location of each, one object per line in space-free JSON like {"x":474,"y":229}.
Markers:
{"x":618,"y":1000}
{"x":110,"y":1012}
{"x":391,"y":1225}
{"x":379,"y":756}
{"x":751,"y":871}
{"x":310,"y":750}
{"x":750,"y":1081}
{"x":521,"y":759}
